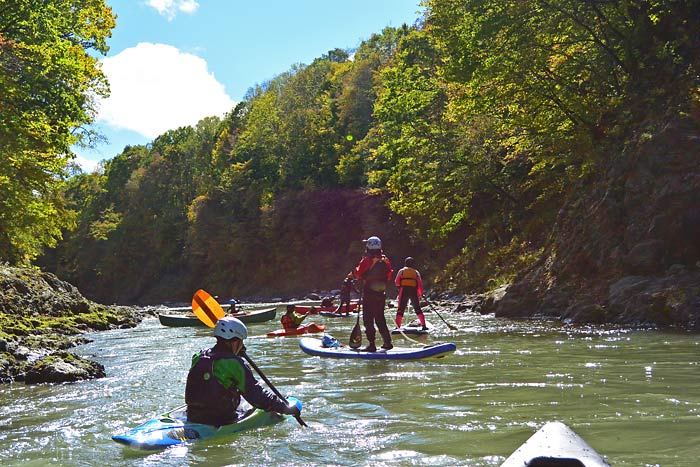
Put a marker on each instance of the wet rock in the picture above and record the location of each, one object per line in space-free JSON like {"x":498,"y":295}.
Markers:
{"x":584,"y":313}
{"x":492,"y":299}
{"x":63,"y":367}
{"x":40,"y":315}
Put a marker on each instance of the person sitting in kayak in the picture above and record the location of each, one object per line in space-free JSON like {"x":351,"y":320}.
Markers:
{"x":219,"y":377}
{"x":232,"y":306}
{"x":410,"y":286}
{"x":345,"y":292}
{"x":291,"y":319}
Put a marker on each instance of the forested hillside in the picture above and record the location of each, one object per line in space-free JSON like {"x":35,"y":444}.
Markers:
{"x":496,"y":141}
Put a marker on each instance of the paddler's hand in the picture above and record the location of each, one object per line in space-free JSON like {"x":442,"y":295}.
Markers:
{"x":292,"y":409}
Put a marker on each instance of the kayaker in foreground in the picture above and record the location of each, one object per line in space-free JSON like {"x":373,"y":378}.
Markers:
{"x":291,"y":319}
{"x":410,"y":286}
{"x":375,"y":271}
{"x":219,"y":377}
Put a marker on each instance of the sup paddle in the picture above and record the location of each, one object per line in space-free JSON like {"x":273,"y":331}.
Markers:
{"x":439,"y":316}
{"x":356,"y":334}
{"x":404,"y":335}
{"x":209,"y":311}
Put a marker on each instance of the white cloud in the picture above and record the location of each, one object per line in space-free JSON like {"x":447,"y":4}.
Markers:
{"x":87,"y":165}
{"x":156,"y":88}
{"x":170,"y":8}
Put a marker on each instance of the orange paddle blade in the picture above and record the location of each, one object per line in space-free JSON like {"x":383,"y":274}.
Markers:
{"x":206,"y":308}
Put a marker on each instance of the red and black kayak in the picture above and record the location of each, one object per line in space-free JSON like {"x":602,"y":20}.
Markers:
{"x":315,"y":310}
{"x":303,"y":329}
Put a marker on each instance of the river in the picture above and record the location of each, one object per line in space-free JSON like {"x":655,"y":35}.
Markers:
{"x":632,"y":395}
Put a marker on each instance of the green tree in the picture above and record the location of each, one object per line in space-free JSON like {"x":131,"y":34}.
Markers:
{"x":48,"y":81}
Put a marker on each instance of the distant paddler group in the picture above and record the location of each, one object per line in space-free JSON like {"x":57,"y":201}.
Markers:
{"x":222,"y":395}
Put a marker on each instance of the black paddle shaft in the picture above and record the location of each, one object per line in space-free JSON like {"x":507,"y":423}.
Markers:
{"x":356,"y":333}
{"x":269,"y":383}
{"x":439,"y":316}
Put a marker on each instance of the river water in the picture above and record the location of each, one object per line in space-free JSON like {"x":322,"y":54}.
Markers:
{"x":632,"y":395}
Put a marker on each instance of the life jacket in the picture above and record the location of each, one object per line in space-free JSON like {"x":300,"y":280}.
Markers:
{"x":287,"y":322}
{"x":409,"y":278}
{"x":375,"y":277}
{"x":208,"y":401}
{"x":291,"y":321}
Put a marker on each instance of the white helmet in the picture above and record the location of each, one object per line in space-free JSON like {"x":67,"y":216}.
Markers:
{"x":373,"y":243}
{"x":228,"y":328}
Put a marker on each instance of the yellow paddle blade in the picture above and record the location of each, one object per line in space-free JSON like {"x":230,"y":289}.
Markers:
{"x":206,"y":308}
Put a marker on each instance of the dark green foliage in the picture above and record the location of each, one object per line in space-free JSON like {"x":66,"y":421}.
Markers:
{"x":468,"y":132}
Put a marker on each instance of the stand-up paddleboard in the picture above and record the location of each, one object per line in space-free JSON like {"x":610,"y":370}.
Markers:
{"x":413,"y":328}
{"x":315,"y":347}
{"x":555,"y":444}
{"x":173,"y":429}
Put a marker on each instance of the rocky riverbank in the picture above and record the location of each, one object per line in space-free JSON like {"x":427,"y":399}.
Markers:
{"x":41,"y":317}
{"x":627,"y":251}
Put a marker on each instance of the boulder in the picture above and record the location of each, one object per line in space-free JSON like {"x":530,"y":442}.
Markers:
{"x":63,"y":367}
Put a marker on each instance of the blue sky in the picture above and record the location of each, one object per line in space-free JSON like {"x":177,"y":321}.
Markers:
{"x":173,"y":62}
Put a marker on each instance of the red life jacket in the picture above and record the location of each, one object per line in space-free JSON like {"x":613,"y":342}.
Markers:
{"x":291,"y":321}
{"x":409,"y":278}
{"x":375,"y":277}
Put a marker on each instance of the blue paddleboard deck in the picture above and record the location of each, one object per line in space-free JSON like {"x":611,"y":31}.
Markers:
{"x":315,"y":347}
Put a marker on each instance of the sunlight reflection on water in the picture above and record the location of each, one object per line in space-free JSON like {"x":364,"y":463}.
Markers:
{"x":617,"y":388}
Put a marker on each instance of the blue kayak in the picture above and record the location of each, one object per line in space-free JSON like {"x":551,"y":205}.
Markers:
{"x":315,"y":347}
{"x":173,"y":429}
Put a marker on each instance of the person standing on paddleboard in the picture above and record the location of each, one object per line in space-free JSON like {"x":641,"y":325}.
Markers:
{"x":374,"y":270}
{"x":410,"y":286}
{"x":219,"y":377}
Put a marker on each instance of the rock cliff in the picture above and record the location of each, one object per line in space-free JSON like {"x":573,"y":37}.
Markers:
{"x":627,"y":250}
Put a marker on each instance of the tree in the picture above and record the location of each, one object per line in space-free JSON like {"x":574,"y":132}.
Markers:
{"x":48,"y":81}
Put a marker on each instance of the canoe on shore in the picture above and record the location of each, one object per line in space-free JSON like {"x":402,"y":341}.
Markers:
{"x":303,"y":329}
{"x":253,"y":316}
{"x":173,"y":429}
{"x":315,"y":347}
{"x":555,"y":444}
